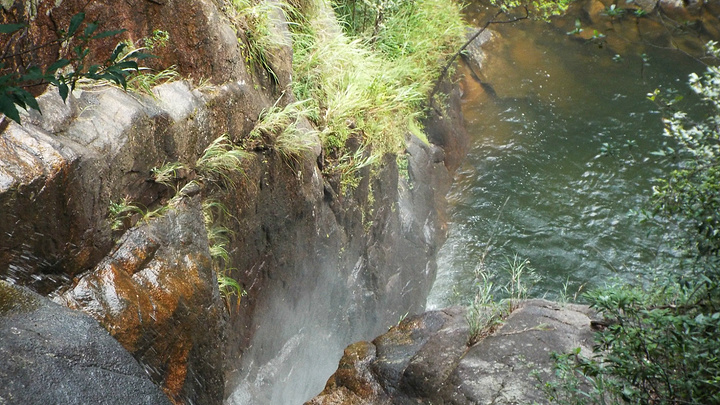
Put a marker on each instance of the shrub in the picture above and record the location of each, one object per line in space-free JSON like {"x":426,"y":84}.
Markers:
{"x":65,"y":72}
{"x":662,"y":344}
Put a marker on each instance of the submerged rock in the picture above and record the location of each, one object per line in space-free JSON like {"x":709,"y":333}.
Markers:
{"x":426,"y":360}
{"x":52,"y":355}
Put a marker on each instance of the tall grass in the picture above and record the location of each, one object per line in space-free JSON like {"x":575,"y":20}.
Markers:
{"x":282,"y":127}
{"x":372,"y":86}
{"x":220,"y":160}
{"x":257,"y":19}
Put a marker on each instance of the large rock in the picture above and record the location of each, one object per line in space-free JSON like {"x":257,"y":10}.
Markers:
{"x":156,"y":293}
{"x":52,"y":355}
{"x":475,"y":54}
{"x":426,"y":359}
{"x":204,"y":44}
{"x":60,"y":171}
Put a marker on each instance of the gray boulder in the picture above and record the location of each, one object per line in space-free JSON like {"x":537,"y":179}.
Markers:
{"x":426,"y":359}
{"x":53,"y":355}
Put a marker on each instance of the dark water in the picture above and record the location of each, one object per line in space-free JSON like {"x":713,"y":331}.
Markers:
{"x":560,"y":156}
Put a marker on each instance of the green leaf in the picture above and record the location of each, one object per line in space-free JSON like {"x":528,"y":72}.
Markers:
{"x":75,"y":22}
{"x":27,"y":99}
{"x":126,"y":65}
{"x":90,"y":28}
{"x":10,"y":28}
{"x":33,"y":73}
{"x":106,"y":34}
{"x":8,"y":108}
{"x":116,"y":53}
{"x":58,"y":64}
{"x":141,"y":55}
{"x":64,"y":90}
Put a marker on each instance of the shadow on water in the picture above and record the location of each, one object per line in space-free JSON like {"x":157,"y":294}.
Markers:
{"x":560,"y":156}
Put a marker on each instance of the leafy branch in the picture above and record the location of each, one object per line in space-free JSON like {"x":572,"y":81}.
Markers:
{"x":67,"y":70}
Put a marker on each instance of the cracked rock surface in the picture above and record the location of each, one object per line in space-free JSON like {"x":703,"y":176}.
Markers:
{"x":425,"y":359}
{"x":53,"y":355}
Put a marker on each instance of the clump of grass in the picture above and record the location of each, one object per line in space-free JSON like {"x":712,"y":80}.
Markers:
{"x":220,"y":161}
{"x":282,"y":125}
{"x":256,"y":18}
{"x":372,"y":88}
{"x":167,"y":174}
{"x":214,"y":213}
{"x":145,"y":79}
{"x":521,"y":278}
{"x":121,"y":213}
{"x":485,"y":313}
{"x":349,"y":165}
{"x":230,"y":287}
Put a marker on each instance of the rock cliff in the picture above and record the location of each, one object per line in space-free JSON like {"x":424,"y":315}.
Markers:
{"x":321,"y":267}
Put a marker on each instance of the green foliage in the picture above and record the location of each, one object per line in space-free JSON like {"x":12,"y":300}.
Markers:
{"x":214,"y":214}
{"x":539,"y":9}
{"x":256,"y":19}
{"x":122,"y":213}
{"x":662,"y":345}
{"x":167,"y":174}
{"x":230,"y":287}
{"x":145,"y":79}
{"x":371,"y":83}
{"x":349,"y":167}
{"x":492,"y":304}
{"x":691,"y":194}
{"x":281,"y":126}
{"x":613,"y":11}
{"x":484,"y":314}
{"x":220,"y":161}
{"x":67,"y":70}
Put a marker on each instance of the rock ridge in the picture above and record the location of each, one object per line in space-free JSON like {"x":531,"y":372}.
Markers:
{"x":426,"y":359}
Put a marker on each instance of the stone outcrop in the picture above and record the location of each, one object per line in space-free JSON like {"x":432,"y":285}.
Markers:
{"x":156,"y":293}
{"x":52,"y":355}
{"x":322,"y":266}
{"x":204,"y":44}
{"x":426,"y":359}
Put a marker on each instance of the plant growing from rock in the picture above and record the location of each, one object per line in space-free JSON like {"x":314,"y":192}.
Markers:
{"x":281,"y":127}
{"x":220,"y":161}
{"x":122,"y":213}
{"x":371,"y":86}
{"x":487,"y":310}
{"x":167,"y":174}
{"x":219,"y":236}
{"x":67,"y":70}
{"x":256,"y":19}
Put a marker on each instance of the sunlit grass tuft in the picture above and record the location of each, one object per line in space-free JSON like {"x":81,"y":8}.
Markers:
{"x":372,"y":87}
{"x":220,"y":160}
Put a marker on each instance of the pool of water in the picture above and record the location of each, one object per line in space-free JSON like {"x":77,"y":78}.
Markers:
{"x":561,"y":135}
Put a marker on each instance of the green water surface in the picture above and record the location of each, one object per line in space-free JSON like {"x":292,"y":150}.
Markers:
{"x":561,"y":135}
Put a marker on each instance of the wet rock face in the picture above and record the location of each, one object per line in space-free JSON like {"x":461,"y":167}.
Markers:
{"x":60,"y":171}
{"x":204,"y":45}
{"x":426,"y":360}
{"x":157,"y":295}
{"x":52,"y":355}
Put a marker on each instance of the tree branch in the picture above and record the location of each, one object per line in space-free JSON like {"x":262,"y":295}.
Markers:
{"x":469,"y":41}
